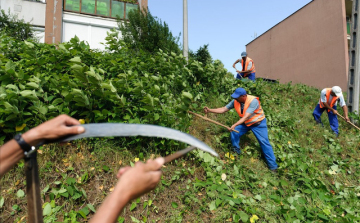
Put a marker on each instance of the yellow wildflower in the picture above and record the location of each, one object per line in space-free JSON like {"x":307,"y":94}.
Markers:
{"x":82,"y":121}
{"x":136,"y":159}
{"x":230,"y":156}
{"x":254,"y":218}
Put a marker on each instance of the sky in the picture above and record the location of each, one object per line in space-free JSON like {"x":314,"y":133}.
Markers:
{"x":226,"y":25}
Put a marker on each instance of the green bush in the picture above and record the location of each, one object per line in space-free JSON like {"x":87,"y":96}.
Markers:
{"x":39,"y":82}
{"x":12,"y":26}
{"x":146,"y":32}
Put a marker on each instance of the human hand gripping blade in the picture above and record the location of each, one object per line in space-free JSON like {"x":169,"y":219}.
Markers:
{"x":105,"y":130}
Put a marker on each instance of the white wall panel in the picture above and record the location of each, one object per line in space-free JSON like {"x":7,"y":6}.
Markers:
{"x":88,"y":28}
{"x":32,"y":12}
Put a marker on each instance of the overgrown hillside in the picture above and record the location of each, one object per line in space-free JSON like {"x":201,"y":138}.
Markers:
{"x":318,"y":178}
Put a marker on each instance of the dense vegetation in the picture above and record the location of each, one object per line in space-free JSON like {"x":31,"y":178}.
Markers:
{"x":10,"y":25}
{"x":318,"y":179}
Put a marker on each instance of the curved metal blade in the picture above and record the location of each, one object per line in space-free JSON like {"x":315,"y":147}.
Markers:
{"x":121,"y":129}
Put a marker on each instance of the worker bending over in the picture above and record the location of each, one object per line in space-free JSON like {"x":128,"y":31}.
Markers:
{"x":247,"y":67}
{"x":252,"y":118}
{"x":328,"y":101}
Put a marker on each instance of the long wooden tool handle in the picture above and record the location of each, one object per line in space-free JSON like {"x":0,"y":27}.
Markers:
{"x":35,"y":212}
{"x":178,"y":154}
{"x":349,"y":122}
{"x":215,"y":122}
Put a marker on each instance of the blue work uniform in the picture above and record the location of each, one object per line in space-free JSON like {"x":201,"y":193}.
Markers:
{"x":260,"y":131}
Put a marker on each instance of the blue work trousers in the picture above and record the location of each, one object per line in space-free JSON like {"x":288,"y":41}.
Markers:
{"x":261,"y":134}
{"x":251,"y":76}
{"x":334,"y":124}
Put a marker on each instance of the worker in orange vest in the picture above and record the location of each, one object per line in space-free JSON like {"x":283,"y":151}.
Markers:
{"x":328,"y":101}
{"x":252,"y":118}
{"x":247,"y":67}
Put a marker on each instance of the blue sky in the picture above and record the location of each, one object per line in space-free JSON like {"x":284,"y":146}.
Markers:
{"x":227,"y":25}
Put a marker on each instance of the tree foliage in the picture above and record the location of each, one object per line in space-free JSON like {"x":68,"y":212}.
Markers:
{"x":12,"y":26}
{"x":146,"y":32}
{"x":202,"y":55}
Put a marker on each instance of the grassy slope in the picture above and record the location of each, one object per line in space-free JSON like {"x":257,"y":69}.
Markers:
{"x":192,"y":190}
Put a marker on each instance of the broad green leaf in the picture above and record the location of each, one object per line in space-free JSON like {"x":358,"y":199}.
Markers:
{"x":70,"y":190}
{"x":33,"y":85}
{"x":29,"y":94}
{"x":47,"y":209}
{"x":156,"y":116}
{"x":133,"y":206}
{"x":236,"y":170}
{"x":30,"y":45}
{"x":105,"y":168}
{"x":212,"y":206}
{"x":11,"y":86}
{"x":174,"y":204}
{"x":258,"y":197}
{"x":45,"y":189}
{"x":62,"y":190}
{"x":134,"y":220}
{"x":75,"y":60}
{"x":82,"y":214}
{"x":70,"y":181}
{"x":20,"y":193}
{"x":91,"y":207}
{"x":85,"y":210}
{"x":76,"y":68}
{"x":155,"y":78}
{"x":10,"y":66}
{"x":2,"y":200}
{"x":187,"y":95}
{"x":244,"y":217}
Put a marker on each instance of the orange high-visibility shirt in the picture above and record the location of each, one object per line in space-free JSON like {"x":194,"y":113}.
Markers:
{"x":255,"y":117}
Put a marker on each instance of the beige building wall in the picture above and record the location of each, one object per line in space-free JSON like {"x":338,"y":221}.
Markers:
{"x":308,"y":47}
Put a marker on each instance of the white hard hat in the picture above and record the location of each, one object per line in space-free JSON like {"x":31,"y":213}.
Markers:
{"x":337,"y":91}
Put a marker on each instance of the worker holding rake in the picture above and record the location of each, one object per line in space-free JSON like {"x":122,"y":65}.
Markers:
{"x":252,"y":118}
{"x":247,"y":67}
{"x":328,"y":101}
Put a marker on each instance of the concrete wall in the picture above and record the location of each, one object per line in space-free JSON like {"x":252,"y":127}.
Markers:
{"x":53,"y":25}
{"x":89,"y":28}
{"x":308,"y":47}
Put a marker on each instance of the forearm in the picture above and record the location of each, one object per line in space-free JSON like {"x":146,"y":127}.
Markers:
{"x":345,"y":109}
{"x":237,"y":61}
{"x":328,"y":106}
{"x":111,"y":208}
{"x":242,"y":120}
{"x":218,"y":110}
{"x":10,"y":154}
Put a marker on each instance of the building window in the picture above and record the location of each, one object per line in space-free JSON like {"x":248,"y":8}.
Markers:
{"x":105,"y":8}
{"x":130,"y":7}
{"x":117,"y":9}
{"x":88,"y":6}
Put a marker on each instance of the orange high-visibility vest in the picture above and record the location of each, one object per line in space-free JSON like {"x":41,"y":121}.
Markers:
{"x":248,"y":60}
{"x":333,"y":101}
{"x":258,"y":114}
